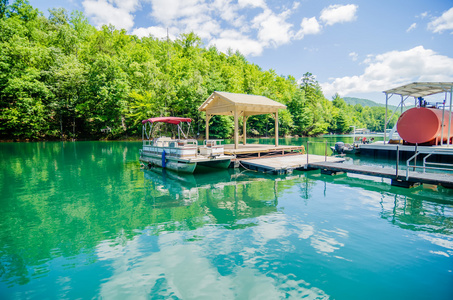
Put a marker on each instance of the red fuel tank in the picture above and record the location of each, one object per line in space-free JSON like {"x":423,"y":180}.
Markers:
{"x":421,"y":125}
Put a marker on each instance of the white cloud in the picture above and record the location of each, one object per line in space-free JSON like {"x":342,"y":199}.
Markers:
{"x":252,"y":3}
{"x":188,"y":16}
{"x":235,"y":40}
{"x":309,"y":26}
{"x":412,"y":27}
{"x":255,"y":25}
{"x":272,"y":28}
{"x":155,"y":31}
{"x":353,"y":56}
{"x":339,"y":14}
{"x":444,"y":22}
{"x":229,"y":12}
{"x":244,"y":45}
{"x":169,"y":12}
{"x":393,"y":68}
{"x":115,"y":12}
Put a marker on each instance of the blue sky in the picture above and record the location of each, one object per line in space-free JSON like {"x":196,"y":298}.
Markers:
{"x":357,"y":48}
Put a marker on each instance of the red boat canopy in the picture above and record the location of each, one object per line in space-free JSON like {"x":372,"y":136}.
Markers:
{"x":169,"y":120}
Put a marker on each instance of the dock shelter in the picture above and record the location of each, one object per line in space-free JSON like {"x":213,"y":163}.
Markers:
{"x":422,"y":89}
{"x":240,"y":105}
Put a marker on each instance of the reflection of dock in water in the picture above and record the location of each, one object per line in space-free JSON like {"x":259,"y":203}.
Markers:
{"x":225,"y":196}
{"x":416,"y":210}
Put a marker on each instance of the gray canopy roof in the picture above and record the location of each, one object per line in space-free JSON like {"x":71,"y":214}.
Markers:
{"x":421,"y":89}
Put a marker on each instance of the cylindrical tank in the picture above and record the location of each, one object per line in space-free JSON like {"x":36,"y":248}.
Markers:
{"x":421,"y":125}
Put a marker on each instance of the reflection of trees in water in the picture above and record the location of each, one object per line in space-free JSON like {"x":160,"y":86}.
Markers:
{"x":63,"y":199}
{"x":60,"y":199}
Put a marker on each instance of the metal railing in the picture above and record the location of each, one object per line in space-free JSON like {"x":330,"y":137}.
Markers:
{"x":426,"y":165}
{"x":313,"y":142}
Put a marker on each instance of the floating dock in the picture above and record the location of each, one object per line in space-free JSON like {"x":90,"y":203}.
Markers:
{"x":285,"y":164}
{"x":388,"y":151}
{"x":258,"y":150}
{"x":398,"y":177}
{"x":332,"y":165}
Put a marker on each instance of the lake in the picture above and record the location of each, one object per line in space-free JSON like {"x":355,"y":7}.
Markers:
{"x":82,"y":220}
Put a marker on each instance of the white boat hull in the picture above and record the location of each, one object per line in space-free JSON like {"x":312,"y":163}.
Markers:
{"x":176,"y":165}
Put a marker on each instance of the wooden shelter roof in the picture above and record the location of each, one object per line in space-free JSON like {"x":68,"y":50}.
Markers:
{"x":223,"y":103}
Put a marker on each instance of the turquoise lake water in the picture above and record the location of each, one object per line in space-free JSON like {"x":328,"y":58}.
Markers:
{"x":81,"y":221}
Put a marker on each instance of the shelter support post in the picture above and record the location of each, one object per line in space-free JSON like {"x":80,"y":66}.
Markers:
{"x":449,"y":117}
{"x":276,"y":128}
{"x":385,"y":124}
{"x":236,"y":125}
{"x":208,"y":118}
{"x":443,"y":117}
{"x":244,"y":129}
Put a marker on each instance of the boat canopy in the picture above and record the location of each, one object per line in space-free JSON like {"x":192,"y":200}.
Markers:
{"x":169,"y":120}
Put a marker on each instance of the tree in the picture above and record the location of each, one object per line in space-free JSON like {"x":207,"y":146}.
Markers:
{"x":3,"y":8}
{"x":60,"y":76}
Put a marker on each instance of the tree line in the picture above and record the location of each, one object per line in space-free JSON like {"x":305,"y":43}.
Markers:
{"x":61,"y":78}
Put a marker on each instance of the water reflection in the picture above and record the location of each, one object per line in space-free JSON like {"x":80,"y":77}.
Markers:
{"x":198,"y":251}
{"x":419,"y":209}
{"x":223,"y":197}
{"x":82,"y":220}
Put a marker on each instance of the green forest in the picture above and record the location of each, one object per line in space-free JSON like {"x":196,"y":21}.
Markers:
{"x":62,"y":78}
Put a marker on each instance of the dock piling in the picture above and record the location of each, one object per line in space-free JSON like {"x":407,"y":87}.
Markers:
{"x":397,"y":159}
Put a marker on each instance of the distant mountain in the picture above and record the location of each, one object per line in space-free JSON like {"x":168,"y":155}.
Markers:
{"x":370,"y":103}
{"x":363,"y":102}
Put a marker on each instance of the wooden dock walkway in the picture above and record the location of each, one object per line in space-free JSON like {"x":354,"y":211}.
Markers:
{"x":331,"y":165}
{"x":414,"y":179}
{"x":285,"y":164}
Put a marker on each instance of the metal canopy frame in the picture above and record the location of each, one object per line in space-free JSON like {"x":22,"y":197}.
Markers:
{"x":240,"y":105}
{"x":148,"y":126}
{"x":416,"y":90}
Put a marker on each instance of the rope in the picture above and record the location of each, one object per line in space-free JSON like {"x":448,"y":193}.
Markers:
{"x":247,"y":169}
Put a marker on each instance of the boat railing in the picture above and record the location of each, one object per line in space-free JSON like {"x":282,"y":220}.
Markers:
{"x":170,"y":143}
{"x":436,"y":166}
{"x":213,"y":143}
{"x":212,"y":148}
